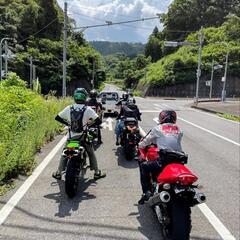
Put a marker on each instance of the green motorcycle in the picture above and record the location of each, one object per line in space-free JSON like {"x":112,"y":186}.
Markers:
{"x":76,"y":161}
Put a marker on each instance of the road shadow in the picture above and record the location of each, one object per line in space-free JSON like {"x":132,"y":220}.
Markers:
{"x":149,"y":225}
{"x":122,"y":160}
{"x":66,"y":204}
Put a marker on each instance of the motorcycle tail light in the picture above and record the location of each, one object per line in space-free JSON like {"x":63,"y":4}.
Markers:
{"x":70,"y":149}
{"x":186,"y":179}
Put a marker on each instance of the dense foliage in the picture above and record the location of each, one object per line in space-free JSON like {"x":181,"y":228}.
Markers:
{"x":126,"y":71}
{"x":109,"y":48}
{"x":187,"y":16}
{"x":180,"y":67}
{"x":35,"y":27}
{"x":27,"y":121}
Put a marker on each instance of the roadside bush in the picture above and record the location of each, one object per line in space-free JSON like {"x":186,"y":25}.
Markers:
{"x":27,"y":122}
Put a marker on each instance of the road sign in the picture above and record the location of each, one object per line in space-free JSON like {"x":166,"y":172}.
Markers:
{"x":170,"y":44}
{"x":208,"y":83}
{"x":218,"y":66}
{"x":223,"y":79}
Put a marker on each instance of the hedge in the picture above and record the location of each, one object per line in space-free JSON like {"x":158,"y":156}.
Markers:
{"x":27,"y":122}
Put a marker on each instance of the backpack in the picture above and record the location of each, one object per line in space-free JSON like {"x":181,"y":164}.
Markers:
{"x":76,"y":119}
{"x":131,"y":110}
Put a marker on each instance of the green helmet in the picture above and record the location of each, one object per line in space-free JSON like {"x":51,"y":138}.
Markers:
{"x":80,"y":94}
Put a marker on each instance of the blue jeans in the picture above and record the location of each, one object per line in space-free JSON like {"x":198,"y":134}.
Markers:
{"x":118,"y":128}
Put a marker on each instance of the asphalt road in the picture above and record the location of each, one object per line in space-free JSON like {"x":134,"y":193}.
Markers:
{"x":107,"y":208}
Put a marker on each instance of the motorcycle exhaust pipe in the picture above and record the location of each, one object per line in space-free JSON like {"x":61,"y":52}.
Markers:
{"x":199,"y":198}
{"x":162,"y":197}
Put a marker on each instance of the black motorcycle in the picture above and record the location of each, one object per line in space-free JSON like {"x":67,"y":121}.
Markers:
{"x":130,"y":137}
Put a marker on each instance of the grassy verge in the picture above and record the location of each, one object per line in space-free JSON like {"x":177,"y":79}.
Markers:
{"x":138,"y":93}
{"x":229,"y":116}
{"x":27,"y":122}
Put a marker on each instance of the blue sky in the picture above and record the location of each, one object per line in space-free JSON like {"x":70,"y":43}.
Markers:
{"x":91,"y":12}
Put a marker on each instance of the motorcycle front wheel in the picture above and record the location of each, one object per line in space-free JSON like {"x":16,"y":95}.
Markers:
{"x":180,"y":221}
{"x":71,"y":179}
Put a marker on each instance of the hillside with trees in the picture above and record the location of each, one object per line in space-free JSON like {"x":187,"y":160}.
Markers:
{"x":174,"y":65}
{"x":35,"y":28}
{"x":109,"y":48}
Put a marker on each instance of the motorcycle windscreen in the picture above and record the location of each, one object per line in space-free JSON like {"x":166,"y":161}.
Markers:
{"x":177,"y":173}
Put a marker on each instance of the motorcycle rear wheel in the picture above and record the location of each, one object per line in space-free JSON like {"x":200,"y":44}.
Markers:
{"x":180,"y":221}
{"x":71,"y":179}
{"x":129,"y":152}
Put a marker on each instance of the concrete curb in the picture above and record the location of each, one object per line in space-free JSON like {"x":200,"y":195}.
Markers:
{"x":211,"y":111}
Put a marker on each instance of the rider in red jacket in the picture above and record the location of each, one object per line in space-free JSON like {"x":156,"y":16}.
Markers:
{"x":166,"y":135}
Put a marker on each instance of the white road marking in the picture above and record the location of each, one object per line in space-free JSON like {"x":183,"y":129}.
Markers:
{"x":13,"y":201}
{"x":209,"y":131}
{"x":108,"y":124}
{"x":214,"y":115}
{"x":216,"y":223}
{"x":211,"y":217}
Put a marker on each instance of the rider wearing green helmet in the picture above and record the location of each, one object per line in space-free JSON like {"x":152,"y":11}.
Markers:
{"x":80,"y":94}
{"x":76,"y":116}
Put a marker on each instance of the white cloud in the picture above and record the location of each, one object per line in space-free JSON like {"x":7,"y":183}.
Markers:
{"x":91,"y":12}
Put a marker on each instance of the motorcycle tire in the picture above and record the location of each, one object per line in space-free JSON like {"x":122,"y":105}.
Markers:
{"x":180,"y":226}
{"x":129,"y":152}
{"x":71,"y":179}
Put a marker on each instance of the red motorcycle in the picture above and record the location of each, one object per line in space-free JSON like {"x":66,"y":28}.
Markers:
{"x":173,"y":192}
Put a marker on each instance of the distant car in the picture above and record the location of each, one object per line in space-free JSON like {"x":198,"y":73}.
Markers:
{"x":109,"y":100}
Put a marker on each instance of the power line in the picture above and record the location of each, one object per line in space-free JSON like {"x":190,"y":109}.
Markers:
{"x":104,"y":20}
{"x":110,"y":23}
{"x":54,"y":20}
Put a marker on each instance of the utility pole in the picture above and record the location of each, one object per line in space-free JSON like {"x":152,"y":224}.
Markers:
{"x":201,"y":39}
{"x":64,"y":51}
{"x":1,"y":57}
{"x":225,"y":77}
{"x":34,"y":72}
{"x":31,"y":72}
{"x":6,"y":58}
{"x":93,"y":74}
{"x":211,"y":81}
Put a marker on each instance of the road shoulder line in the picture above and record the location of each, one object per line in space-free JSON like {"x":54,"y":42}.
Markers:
{"x":206,"y":130}
{"x":13,"y":201}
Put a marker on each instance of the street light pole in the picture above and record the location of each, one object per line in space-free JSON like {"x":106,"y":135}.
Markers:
{"x":64,"y":52}
{"x":6,"y":58}
{"x":31,"y":72}
{"x":1,"y":65}
{"x":201,"y":39}
{"x":225,"y":76}
{"x":211,"y":81}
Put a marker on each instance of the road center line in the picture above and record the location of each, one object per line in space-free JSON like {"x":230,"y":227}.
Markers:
{"x":13,"y":201}
{"x":211,"y":217}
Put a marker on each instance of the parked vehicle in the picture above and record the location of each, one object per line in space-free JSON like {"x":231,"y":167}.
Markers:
{"x":130,"y":137}
{"x":76,"y":161}
{"x":173,"y":193}
{"x":109,"y":100}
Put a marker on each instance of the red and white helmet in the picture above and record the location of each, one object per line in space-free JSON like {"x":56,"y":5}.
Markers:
{"x":167,"y":116}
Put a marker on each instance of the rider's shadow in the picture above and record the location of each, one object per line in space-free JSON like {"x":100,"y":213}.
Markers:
{"x":122,"y":160}
{"x":149,"y":225}
{"x":66,"y":204}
